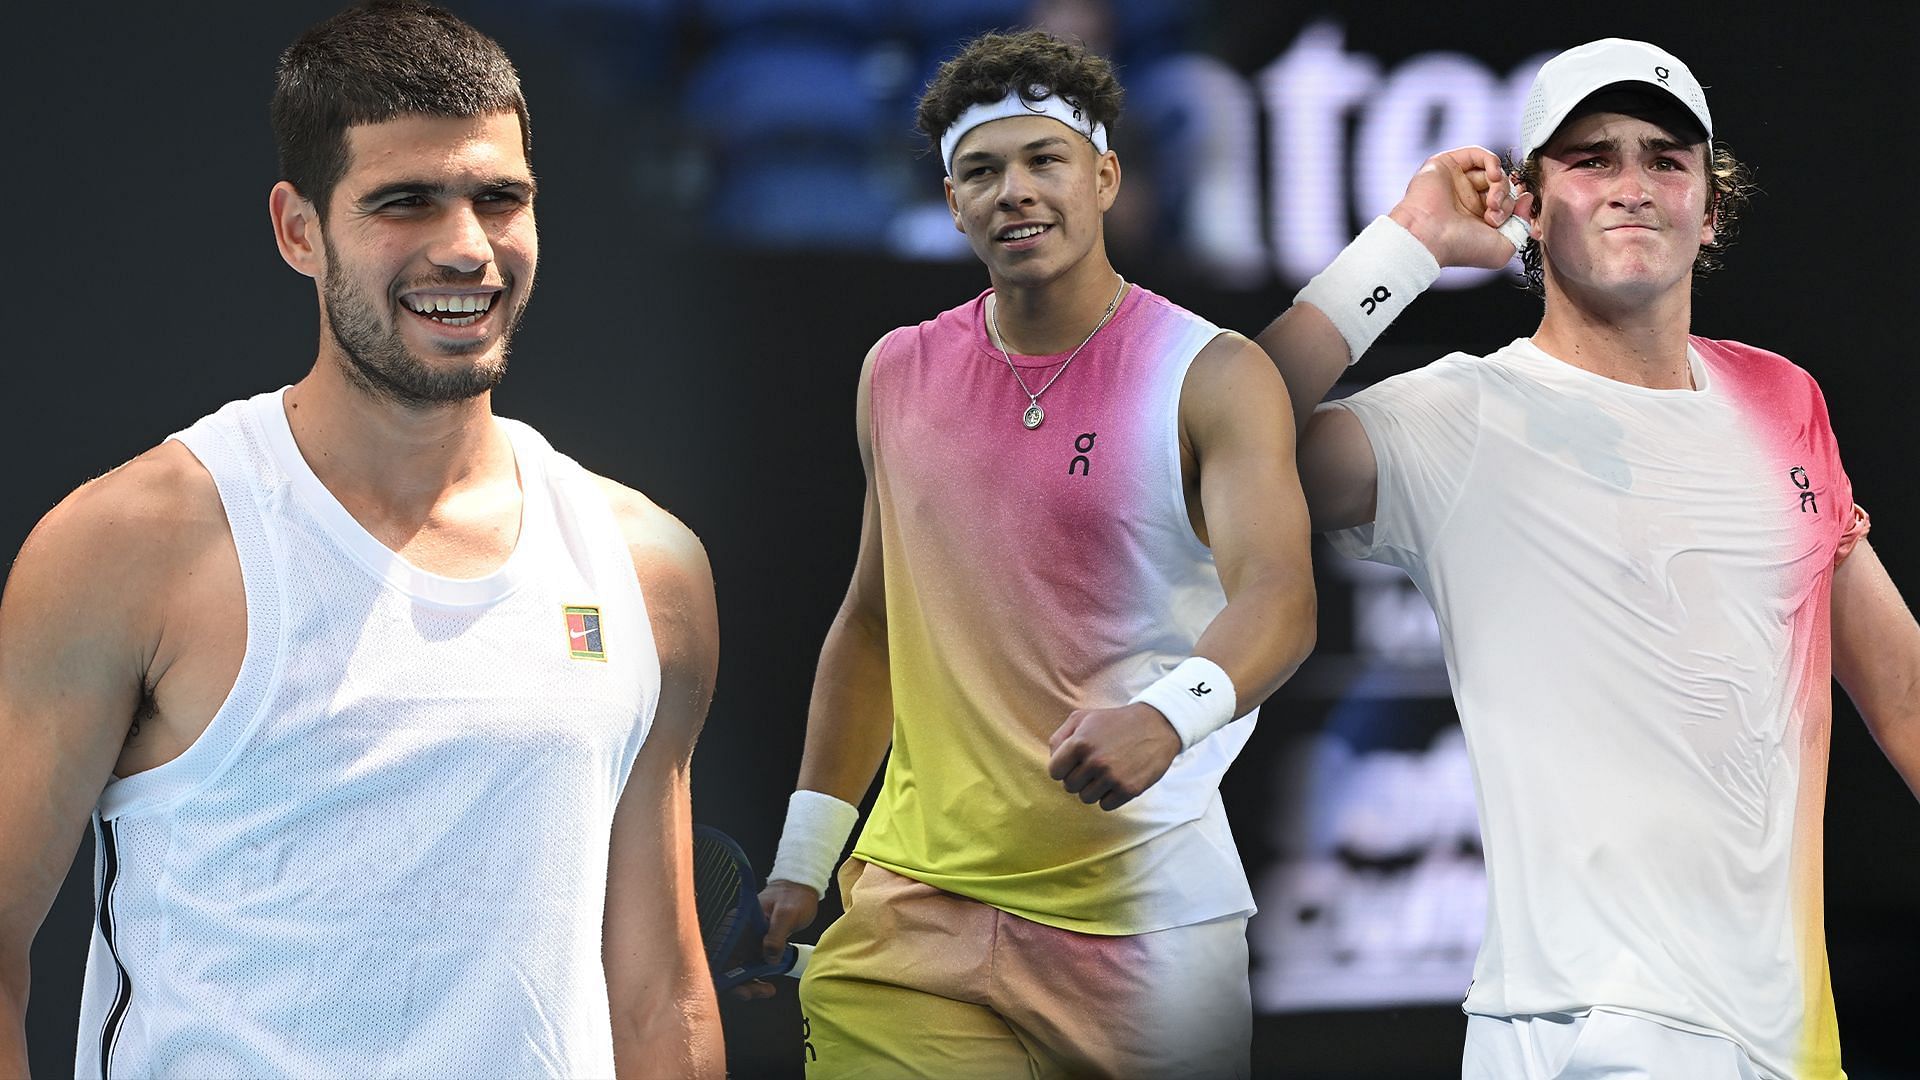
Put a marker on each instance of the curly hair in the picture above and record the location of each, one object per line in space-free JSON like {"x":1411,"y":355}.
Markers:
{"x":372,"y":63}
{"x":1730,"y":188}
{"x":992,"y":64}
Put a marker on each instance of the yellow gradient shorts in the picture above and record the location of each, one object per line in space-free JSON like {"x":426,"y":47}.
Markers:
{"x":915,"y":982}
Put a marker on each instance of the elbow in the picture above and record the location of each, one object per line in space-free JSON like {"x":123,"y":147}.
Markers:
{"x":678,"y":1035}
{"x":863,"y":615}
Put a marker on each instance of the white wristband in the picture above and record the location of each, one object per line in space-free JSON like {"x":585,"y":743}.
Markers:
{"x":1367,"y":285}
{"x":811,"y":841}
{"x":1515,"y":227}
{"x":1197,"y":698}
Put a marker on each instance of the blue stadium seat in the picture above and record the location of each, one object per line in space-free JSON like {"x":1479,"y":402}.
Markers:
{"x":859,"y":18}
{"x":796,"y":89}
{"x":631,"y":44}
{"x":804,"y":201}
{"x":942,"y":25}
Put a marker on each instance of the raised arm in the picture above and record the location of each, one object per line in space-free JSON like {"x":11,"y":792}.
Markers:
{"x":849,"y":725}
{"x":665,"y":1017}
{"x":1876,"y":657}
{"x":1448,"y":217}
{"x":79,"y":632}
{"x":1253,"y":516}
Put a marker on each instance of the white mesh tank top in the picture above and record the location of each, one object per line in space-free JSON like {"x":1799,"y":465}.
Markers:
{"x":387,"y":854}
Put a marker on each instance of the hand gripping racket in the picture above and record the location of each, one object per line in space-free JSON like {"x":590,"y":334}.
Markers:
{"x":732,"y":926}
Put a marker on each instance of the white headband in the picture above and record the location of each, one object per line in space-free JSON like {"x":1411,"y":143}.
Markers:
{"x":1043,"y":103}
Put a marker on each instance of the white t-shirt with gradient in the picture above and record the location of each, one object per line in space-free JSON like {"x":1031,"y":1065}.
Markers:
{"x":1633,"y":590}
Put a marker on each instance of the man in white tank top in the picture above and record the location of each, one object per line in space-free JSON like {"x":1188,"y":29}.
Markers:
{"x":382,"y":710}
{"x":1646,"y":560}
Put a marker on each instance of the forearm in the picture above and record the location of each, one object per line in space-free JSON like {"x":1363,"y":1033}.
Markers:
{"x":850,"y":717}
{"x":1262,"y":635}
{"x":1449,"y":217}
{"x":1889,"y":703}
{"x":1899,"y":739}
{"x":660,"y":997}
{"x":1310,"y":354}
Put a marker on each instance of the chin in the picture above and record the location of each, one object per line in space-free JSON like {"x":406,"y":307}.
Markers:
{"x":1028,"y":274}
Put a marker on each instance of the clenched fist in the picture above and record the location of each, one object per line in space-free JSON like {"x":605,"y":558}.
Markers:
{"x":1110,"y":756}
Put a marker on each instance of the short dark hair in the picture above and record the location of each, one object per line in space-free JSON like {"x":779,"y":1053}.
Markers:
{"x":1729,"y":182}
{"x":372,"y":63}
{"x":992,"y":64}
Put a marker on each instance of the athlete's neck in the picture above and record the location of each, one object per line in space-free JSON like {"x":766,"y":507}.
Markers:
{"x":391,"y":461}
{"x":1055,"y":316}
{"x":1630,"y":341}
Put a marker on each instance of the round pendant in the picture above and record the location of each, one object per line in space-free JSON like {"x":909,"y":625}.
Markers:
{"x":1033,"y":416}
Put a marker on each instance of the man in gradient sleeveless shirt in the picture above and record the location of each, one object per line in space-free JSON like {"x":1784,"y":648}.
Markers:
{"x":381,"y":708}
{"x":1083,"y":565}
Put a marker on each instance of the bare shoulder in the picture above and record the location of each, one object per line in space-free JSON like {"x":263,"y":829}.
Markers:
{"x":1233,"y":381}
{"x":676,"y":579}
{"x":666,"y":554}
{"x":1231,"y":354}
{"x":677,"y":583}
{"x":114,"y":566}
{"x":137,"y":526}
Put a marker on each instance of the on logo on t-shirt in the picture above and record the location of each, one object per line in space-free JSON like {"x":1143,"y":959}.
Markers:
{"x":1808,"y":504}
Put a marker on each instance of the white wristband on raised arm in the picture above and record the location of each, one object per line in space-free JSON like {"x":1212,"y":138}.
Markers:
{"x":1515,"y":227}
{"x":1371,"y":282}
{"x":811,"y":841}
{"x":1196,"y":697}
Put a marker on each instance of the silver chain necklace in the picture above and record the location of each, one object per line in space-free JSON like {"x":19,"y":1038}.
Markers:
{"x":1035,"y":415}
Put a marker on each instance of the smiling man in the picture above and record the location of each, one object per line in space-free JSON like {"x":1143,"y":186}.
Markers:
{"x":381,"y":708}
{"x":1084,"y":554}
{"x":1647,"y":563}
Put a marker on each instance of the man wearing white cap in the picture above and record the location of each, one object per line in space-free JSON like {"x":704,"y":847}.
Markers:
{"x":1645,"y":558}
{"x":1084,"y":556}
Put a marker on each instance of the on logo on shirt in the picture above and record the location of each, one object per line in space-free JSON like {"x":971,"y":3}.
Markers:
{"x":1808,"y":504}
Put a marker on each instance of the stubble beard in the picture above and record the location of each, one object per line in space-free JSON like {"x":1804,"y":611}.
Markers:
{"x":379,"y":364}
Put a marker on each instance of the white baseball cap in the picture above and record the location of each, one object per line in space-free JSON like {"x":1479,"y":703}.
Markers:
{"x":1577,"y":74}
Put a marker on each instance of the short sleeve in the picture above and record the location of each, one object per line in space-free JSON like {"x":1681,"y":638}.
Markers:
{"x":1423,"y":426}
{"x":1821,"y":425}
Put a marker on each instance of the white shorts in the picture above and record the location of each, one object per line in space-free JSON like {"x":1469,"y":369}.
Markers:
{"x":1598,"y":1045}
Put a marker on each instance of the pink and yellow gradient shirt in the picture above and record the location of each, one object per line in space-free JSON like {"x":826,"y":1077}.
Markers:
{"x":1028,"y":574}
{"x":1633,"y":592}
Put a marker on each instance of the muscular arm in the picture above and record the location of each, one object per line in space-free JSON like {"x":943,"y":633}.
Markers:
{"x":79,"y":631}
{"x":1876,"y":657}
{"x":1453,"y":206}
{"x":850,"y":715}
{"x":1255,"y":519}
{"x":665,"y":1017}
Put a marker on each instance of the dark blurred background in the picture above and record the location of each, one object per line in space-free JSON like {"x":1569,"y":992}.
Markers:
{"x":733,"y":207}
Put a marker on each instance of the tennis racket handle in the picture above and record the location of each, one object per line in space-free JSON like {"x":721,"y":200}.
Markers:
{"x":801,"y":954}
